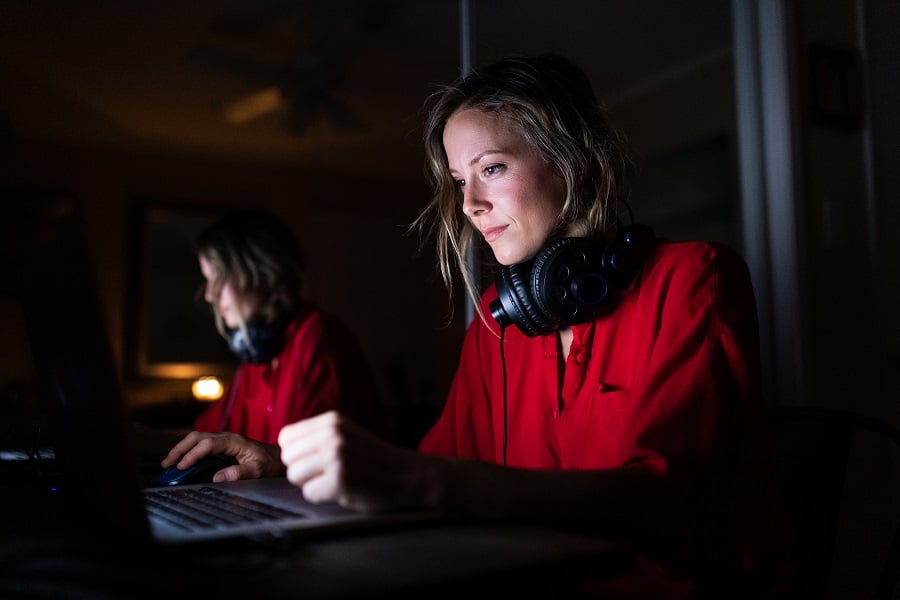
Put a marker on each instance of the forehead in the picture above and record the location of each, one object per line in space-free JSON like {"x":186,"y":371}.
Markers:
{"x":470,"y":132}
{"x":207,"y":267}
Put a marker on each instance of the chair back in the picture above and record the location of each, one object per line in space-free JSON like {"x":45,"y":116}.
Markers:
{"x":812,"y":451}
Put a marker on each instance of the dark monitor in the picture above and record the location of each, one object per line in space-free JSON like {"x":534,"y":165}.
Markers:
{"x":78,"y":385}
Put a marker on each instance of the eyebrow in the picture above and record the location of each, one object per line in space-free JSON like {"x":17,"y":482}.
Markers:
{"x":481,"y":155}
{"x":478,"y":157}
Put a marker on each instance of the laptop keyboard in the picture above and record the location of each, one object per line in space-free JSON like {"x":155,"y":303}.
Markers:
{"x":209,"y":508}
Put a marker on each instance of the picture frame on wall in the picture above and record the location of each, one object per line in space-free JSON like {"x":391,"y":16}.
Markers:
{"x":172,"y":332}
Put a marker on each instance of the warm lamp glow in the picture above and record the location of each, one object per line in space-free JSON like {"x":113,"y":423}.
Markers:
{"x":207,"y":389}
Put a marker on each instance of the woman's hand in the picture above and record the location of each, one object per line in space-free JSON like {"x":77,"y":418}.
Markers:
{"x":255,"y":459}
{"x":333,"y":459}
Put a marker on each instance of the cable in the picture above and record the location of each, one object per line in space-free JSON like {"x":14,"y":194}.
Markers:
{"x":503,"y":367}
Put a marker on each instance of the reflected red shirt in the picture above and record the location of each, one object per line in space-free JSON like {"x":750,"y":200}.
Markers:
{"x":320,"y":368}
{"x":668,"y":379}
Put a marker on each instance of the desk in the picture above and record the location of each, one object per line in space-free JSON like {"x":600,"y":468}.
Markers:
{"x":429,"y":559}
{"x":422,"y":560}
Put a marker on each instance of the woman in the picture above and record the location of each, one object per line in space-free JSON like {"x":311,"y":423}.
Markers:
{"x":297,"y":361}
{"x":625,"y":401}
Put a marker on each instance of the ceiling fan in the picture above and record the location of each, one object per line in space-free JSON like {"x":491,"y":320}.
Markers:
{"x":299,"y":53}
{"x":305,"y":88}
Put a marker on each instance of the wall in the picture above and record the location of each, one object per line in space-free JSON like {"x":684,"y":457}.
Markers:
{"x":848,"y":218}
{"x":686,"y":124}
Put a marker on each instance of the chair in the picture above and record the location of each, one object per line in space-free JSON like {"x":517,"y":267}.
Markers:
{"x":817,"y":457}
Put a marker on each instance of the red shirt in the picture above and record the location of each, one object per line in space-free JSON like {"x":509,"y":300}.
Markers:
{"x":320,"y":368}
{"x":667,"y":379}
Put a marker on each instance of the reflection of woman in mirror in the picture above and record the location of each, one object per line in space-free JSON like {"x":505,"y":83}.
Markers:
{"x":297,"y":360}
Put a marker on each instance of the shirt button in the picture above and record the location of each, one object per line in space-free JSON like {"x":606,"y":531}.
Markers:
{"x":581,"y":357}
{"x":270,"y":409}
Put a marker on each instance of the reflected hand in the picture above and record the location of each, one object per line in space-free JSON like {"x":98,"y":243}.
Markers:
{"x":334,"y":459}
{"x":255,"y":459}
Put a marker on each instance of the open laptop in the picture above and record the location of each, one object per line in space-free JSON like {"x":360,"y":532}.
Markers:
{"x":93,"y":439}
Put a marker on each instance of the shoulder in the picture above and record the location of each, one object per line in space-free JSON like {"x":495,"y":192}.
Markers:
{"x":694,"y":254}
{"x":312,"y":321}
{"x":698,"y":276}
{"x":313,"y":314}
{"x":693,"y":261}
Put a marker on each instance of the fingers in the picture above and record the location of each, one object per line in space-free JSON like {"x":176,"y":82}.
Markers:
{"x":296,"y":435}
{"x":196,"y":445}
{"x":303,"y":439}
{"x":232,"y":473}
{"x":251,"y":469}
{"x":311,"y":452}
{"x":180,"y":449}
{"x":255,"y":459}
{"x":321,"y":488}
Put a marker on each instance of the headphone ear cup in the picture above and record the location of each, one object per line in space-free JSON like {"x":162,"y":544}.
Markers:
{"x":515,"y":303}
{"x":264,"y":340}
{"x":567,"y":280}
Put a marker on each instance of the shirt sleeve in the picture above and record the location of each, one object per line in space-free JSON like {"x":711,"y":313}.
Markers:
{"x":699,"y":418}
{"x":702,"y":372}
{"x":328,"y":371}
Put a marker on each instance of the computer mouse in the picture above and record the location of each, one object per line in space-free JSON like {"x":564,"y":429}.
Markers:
{"x":201,"y":471}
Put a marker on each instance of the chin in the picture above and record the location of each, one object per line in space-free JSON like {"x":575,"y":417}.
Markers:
{"x":507,"y":259}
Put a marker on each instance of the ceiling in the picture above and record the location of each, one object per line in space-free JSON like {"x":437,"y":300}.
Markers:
{"x":160,"y":75}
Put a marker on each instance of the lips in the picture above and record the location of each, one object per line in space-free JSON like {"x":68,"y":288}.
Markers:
{"x":492,"y":233}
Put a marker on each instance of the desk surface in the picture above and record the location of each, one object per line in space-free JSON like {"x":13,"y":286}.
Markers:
{"x":437,"y":558}
{"x":414,"y":560}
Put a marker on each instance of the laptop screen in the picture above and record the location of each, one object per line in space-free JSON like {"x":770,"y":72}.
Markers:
{"x":78,"y":384}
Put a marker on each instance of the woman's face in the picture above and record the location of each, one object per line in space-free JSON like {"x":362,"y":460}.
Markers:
{"x":510,"y":194}
{"x":228,"y":304}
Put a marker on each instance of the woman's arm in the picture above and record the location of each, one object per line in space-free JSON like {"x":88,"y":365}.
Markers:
{"x":333,"y":459}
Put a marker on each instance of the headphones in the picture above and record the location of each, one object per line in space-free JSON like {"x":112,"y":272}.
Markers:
{"x":568,"y":281}
{"x":264,"y":340}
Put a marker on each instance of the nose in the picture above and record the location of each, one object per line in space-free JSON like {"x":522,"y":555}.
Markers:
{"x":208,"y":294}
{"x":473,"y":204}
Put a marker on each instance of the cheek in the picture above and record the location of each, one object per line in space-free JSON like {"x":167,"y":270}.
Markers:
{"x":248,"y":306}
{"x":544,"y":209}
{"x":227,"y":299}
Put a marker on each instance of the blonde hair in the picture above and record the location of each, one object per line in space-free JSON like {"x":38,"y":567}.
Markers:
{"x":549,"y":101}
{"x":259,"y":256}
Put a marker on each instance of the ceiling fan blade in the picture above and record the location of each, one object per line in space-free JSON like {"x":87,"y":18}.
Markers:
{"x":253,"y":106}
{"x":235,"y":63}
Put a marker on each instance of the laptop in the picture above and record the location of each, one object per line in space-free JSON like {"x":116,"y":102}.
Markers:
{"x":95,"y":451}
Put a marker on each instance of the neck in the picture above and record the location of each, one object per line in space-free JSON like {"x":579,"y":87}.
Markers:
{"x":565,"y":337}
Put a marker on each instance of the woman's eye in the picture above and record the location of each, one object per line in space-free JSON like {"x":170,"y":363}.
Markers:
{"x":460,"y":183}
{"x":492,"y":169}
